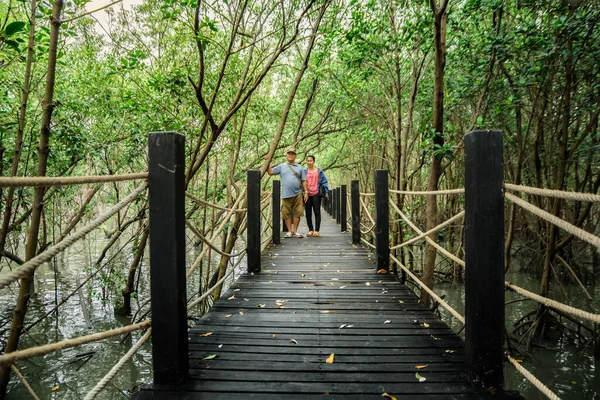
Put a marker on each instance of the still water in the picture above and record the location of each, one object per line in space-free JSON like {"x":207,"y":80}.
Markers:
{"x":71,"y":373}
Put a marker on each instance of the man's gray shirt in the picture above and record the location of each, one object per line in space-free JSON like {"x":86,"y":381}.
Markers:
{"x":290,"y":185}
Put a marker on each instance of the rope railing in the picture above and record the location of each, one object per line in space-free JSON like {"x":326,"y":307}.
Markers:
{"x":572,"y":229}
{"x":117,"y":367}
{"x":218,"y":231}
{"x":24,"y":381}
{"x":553,"y":193}
{"x":31,"y":265}
{"x":435,"y":192}
{"x":427,"y":238}
{"x":554,"y":304}
{"x":65,"y":344}
{"x":206,"y":203}
{"x":39,"y":181}
{"x":432,"y":230}
{"x":531,"y":378}
{"x":428,"y":290}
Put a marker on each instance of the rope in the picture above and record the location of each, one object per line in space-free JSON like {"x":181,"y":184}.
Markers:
{"x":428,"y":290}
{"x":23,"y":381}
{"x":65,"y":344}
{"x":534,"y":381}
{"x":214,"y":236}
{"x":553,"y":193}
{"x":212,"y":246}
{"x":39,"y":181}
{"x":434,"y":192}
{"x":367,"y":243}
{"x":209,"y":291}
{"x":199,"y":200}
{"x":554,"y":304}
{"x":437,"y":228}
{"x":572,"y":229}
{"x":367,"y":194}
{"x":429,"y":240}
{"x":31,"y":265}
{"x":362,"y":202}
{"x":100,"y":385}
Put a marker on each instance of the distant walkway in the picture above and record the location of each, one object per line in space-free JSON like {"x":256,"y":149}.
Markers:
{"x":270,"y":335}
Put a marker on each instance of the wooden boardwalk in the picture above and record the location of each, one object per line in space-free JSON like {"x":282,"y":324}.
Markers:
{"x":270,"y":334}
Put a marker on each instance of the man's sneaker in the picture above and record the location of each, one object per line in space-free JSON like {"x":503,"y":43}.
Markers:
{"x":288,"y":235}
{"x":298,"y":235}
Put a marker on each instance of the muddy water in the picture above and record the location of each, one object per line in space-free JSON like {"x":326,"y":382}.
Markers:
{"x":70,"y":374}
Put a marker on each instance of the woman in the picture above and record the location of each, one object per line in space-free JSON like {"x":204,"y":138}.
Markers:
{"x":316,"y":180}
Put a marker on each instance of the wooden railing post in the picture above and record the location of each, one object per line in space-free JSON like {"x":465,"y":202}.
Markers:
{"x":344,"y":212}
{"x":276,"y":212}
{"x":253,"y":225}
{"x":166,"y":198}
{"x":382,"y":219}
{"x":333,"y":201}
{"x":484,"y":258}
{"x":338,"y":205}
{"x":355,"y":204}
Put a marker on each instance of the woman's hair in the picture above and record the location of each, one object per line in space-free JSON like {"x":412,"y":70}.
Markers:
{"x":313,"y":157}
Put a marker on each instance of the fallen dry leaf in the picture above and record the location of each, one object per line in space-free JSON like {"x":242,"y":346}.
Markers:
{"x":388,"y":396}
{"x":293,"y":341}
{"x":341,"y":287}
{"x":330,"y":359}
{"x":400,"y":301}
{"x":206,"y":334}
{"x":421,"y":366}
{"x":342,"y":326}
{"x":382,"y":271}
{"x":450,"y":351}
{"x":55,"y":388}
{"x":274,"y":335}
{"x":232,"y":297}
{"x":368,"y":284}
{"x":261,"y":305}
{"x":387,"y":321}
{"x":241,"y":313}
{"x":425,"y":324}
{"x":420,"y":378}
{"x":302,"y":275}
{"x":210,"y":357}
{"x":245,"y":299}
{"x":229,"y":316}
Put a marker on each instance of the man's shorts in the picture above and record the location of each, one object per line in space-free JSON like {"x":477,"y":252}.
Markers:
{"x":292,"y":203}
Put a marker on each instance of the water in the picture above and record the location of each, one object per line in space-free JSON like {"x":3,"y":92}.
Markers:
{"x":72,"y":373}
{"x":571,"y":374}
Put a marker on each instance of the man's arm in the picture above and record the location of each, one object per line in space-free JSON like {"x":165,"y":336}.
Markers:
{"x":270,"y":170}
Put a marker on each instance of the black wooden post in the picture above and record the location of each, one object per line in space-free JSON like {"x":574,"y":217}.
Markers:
{"x":382,"y":219}
{"x":344,"y":205}
{"x":333,"y":200}
{"x":484,"y":258}
{"x":276,"y":212}
{"x":166,"y":197}
{"x":355,"y":204}
{"x":338,"y":205}
{"x":253,"y":225}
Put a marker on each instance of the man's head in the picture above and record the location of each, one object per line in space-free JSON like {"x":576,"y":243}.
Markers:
{"x":290,"y":155}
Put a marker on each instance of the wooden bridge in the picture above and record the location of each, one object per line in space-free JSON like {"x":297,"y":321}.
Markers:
{"x":320,"y":322}
{"x":320,"y":317}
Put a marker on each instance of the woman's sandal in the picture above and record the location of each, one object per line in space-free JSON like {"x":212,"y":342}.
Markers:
{"x":309,"y":234}
{"x":316,"y":233}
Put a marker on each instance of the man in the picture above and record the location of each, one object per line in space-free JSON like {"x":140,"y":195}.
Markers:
{"x":294,"y":191}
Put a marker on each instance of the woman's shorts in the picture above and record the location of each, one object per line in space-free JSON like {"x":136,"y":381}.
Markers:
{"x":292,"y":203}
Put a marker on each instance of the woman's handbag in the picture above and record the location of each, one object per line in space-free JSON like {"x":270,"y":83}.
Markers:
{"x":322,"y":191}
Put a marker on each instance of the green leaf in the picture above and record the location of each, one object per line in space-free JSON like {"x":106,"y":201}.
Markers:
{"x":210,"y":357}
{"x":14,"y":27}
